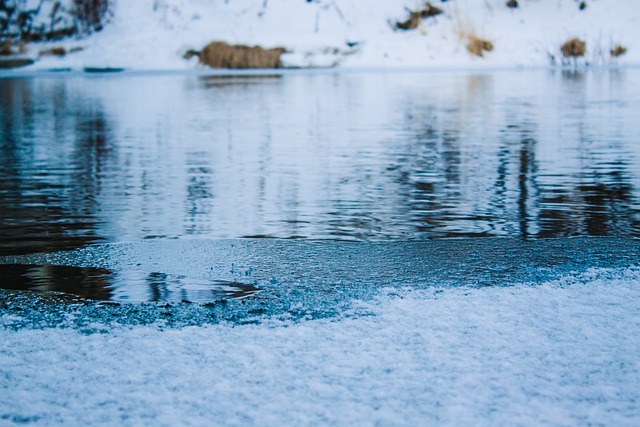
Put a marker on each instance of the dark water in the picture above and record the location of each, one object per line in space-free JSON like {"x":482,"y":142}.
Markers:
{"x":101,"y":284}
{"x":328,"y":156}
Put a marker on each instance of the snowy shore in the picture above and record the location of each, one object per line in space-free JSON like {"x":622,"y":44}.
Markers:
{"x":549,"y":342}
{"x":562,"y":353}
{"x":154,"y":35}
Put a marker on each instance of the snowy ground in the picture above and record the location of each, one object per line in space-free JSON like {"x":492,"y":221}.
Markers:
{"x":566,"y":352}
{"x":154,"y":34}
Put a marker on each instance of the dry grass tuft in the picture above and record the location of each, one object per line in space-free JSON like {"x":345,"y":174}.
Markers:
{"x":223,"y":55}
{"x":190,"y":54}
{"x":617,"y":51}
{"x":478,"y":46}
{"x":411,"y":23}
{"x":430,"y":11}
{"x":416,"y":17}
{"x":573,"y":48}
{"x":6,"y":48}
{"x":54,"y":51}
{"x":91,"y":15}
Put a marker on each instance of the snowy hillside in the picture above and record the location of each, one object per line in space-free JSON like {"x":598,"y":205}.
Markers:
{"x":155,"y":34}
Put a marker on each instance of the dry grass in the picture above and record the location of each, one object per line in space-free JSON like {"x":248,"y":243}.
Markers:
{"x":15,"y":62}
{"x":617,"y":51}
{"x":477,"y":46}
{"x":223,"y":55}
{"x":6,"y":48}
{"x":417,"y":16}
{"x":573,"y":48}
{"x":54,"y":51}
{"x":190,"y":54}
{"x":430,"y":11}
{"x":411,"y":23}
{"x":91,"y":14}
{"x":466,"y":31}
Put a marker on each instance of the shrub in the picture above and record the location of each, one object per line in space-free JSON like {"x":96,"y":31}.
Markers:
{"x":26,"y":21}
{"x":430,"y":11}
{"x":415,"y":17}
{"x":617,"y":51}
{"x":6,"y":48}
{"x":478,"y":46}
{"x":411,"y":23}
{"x":573,"y":48}
{"x":223,"y":55}
{"x":91,"y":15}
{"x":53,"y":51}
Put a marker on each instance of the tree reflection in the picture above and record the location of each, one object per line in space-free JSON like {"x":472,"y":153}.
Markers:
{"x":600,"y":208}
{"x":48,"y":175}
{"x":526,"y":197}
{"x":84,"y":282}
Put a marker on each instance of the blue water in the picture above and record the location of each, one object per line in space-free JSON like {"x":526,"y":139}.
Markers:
{"x":396,"y":164}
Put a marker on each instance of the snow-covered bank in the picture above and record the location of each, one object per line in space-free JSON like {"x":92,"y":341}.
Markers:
{"x":155,"y":34}
{"x":562,"y":353}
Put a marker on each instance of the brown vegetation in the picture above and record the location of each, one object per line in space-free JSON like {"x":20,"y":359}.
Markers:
{"x":190,"y":54}
{"x":6,"y":48}
{"x":618,"y":51}
{"x":91,"y":14}
{"x":573,"y":48}
{"x":223,"y":55}
{"x":54,"y":51}
{"x":416,"y":17}
{"x":15,"y":62}
{"x":478,"y":46}
{"x":31,"y":22}
{"x":411,"y":23}
{"x":430,"y":11}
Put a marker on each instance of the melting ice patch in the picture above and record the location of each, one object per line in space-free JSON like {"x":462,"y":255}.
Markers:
{"x":563,"y":352}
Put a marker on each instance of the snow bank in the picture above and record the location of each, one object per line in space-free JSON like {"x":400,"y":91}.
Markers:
{"x":562,"y":353}
{"x":154,"y":34}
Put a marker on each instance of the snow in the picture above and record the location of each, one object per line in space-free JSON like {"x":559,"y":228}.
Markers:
{"x":553,"y":351}
{"x":565,"y":352}
{"x":154,"y":34}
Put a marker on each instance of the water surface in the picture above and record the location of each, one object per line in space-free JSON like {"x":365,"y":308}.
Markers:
{"x":356,"y":156}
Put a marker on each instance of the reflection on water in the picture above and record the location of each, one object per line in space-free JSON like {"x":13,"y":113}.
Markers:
{"x":353,"y":156}
{"x":103,"y":284}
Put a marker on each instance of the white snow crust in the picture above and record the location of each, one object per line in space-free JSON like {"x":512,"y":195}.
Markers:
{"x":565,"y":352}
{"x":155,"y":34}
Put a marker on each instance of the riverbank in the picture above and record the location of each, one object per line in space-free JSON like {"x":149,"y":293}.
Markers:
{"x":563,"y":352}
{"x":148,"y":35}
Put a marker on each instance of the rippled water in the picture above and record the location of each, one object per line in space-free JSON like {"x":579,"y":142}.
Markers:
{"x":355,"y":156}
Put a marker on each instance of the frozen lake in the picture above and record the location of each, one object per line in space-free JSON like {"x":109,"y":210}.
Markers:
{"x":302,"y":248}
